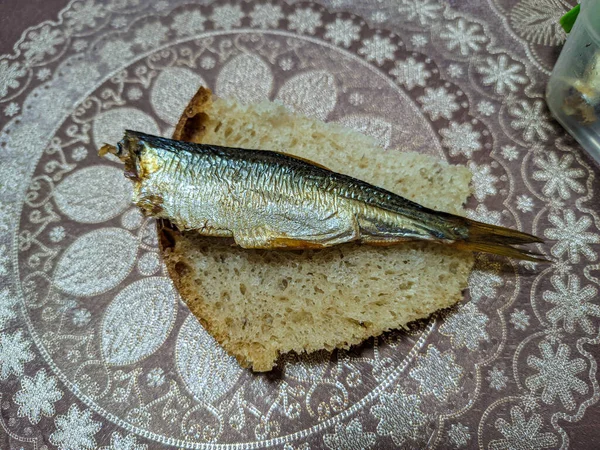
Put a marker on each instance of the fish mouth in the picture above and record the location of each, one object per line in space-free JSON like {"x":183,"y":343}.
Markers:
{"x":128,"y":150}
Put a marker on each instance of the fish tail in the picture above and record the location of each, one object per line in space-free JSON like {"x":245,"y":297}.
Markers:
{"x":483,"y":237}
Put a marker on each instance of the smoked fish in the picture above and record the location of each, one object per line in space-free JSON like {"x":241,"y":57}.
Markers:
{"x":270,"y":200}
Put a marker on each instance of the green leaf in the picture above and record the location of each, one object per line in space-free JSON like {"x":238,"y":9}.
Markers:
{"x":568,"y":20}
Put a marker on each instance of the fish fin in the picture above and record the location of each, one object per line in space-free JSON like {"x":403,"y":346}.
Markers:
{"x":485,"y":232}
{"x":260,"y":241}
{"x":294,"y":244}
{"x":308,"y":161}
{"x":502,"y":250}
{"x":483,"y":237}
{"x":382,"y":241}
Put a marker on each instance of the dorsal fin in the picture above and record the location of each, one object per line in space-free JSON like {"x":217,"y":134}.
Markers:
{"x":306,"y":161}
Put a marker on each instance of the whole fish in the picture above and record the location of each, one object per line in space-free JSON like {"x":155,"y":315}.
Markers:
{"x":270,"y":200}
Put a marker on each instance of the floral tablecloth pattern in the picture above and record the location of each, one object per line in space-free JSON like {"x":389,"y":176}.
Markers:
{"x":97,"y":350}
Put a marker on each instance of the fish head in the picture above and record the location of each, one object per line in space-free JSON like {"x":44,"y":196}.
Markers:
{"x":140,"y":158}
{"x":124,"y":148}
{"x":130,"y":150}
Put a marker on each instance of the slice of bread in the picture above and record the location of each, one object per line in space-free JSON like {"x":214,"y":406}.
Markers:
{"x":259,"y":304}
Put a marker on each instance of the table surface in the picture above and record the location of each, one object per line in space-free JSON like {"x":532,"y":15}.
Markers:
{"x":96,"y":348}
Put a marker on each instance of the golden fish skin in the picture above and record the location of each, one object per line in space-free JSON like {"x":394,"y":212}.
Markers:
{"x":270,"y":200}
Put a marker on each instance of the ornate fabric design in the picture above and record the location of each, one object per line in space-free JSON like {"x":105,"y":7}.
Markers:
{"x":535,"y":24}
{"x":98,"y":351}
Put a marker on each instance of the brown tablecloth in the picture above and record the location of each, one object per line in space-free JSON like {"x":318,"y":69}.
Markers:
{"x":97,"y":349}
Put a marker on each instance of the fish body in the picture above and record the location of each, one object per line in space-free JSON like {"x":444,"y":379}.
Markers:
{"x":269,"y":200}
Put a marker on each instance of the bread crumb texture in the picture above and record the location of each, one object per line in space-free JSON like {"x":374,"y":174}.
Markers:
{"x":259,"y":304}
